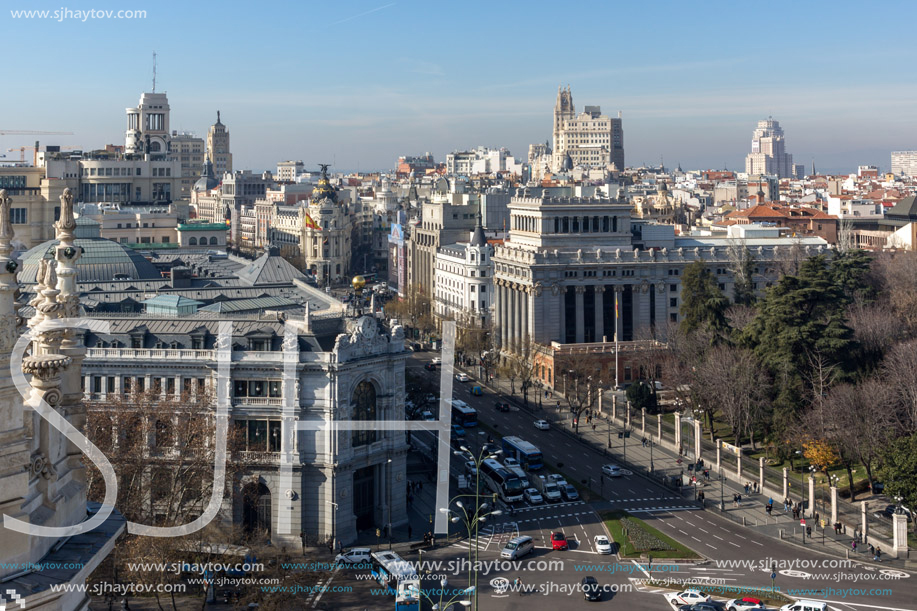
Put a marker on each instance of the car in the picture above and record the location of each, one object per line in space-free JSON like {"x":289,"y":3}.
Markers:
{"x":462,"y":377}
{"x":569,"y":492}
{"x":556,"y":478}
{"x":744,"y":604}
{"x":458,"y":432}
{"x":518,"y":547}
{"x":501,"y":407}
{"x":891,"y":510}
{"x":470,"y":468}
{"x":542,"y":425}
{"x":805,"y":605}
{"x":699,"y":607}
{"x":357,"y":555}
{"x":533,"y":496}
{"x":428,"y":416}
{"x":591,"y":590}
{"x":436,"y":360}
{"x":612,"y":470}
{"x":558,"y":541}
{"x":602,"y":545}
{"x":688,"y":597}
{"x":417,"y":346}
{"x":430,"y":367}
{"x":477,"y":391}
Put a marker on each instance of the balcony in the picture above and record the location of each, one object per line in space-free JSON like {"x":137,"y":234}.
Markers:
{"x":258,"y":401}
{"x":171,"y":354}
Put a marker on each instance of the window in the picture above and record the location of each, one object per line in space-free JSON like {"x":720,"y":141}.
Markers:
{"x":364,"y":408}
{"x":673,"y":317}
{"x":18,"y":216}
{"x":110,"y":384}
{"x":673,"y":302}
{"x":96,"y":384}
{"x":483,"y":289}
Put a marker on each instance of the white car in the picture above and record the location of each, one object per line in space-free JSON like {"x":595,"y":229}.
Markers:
{"x":436,"y":360}
{"x":356,"y":555}
{"x":462,"y":377}
{"x":543,"y":425}
{"x":602,"y":545}
{"x":744,"y":604}
{"x":612,"y":470}
{"x":533,"y":496}
{"x":688,"y":597}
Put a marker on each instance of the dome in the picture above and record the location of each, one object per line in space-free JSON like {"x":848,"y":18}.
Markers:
{"x":101,"y":261}
{"x":324,"y":190}
{"x":207,"y":181}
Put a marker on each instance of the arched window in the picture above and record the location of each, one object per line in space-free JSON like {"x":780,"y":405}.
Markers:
{"x":364,"y":409}
{"x":556,"y":225}
{"x":213,"y":241}
{"x":192,"y":242}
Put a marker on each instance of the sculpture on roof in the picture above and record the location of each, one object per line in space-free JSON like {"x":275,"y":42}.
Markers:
{"x":66,"y":224}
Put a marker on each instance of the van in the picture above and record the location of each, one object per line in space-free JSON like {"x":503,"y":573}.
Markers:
{"x":357,"y":555}
{"x":805,"y":605}
{"x":518,"y":547}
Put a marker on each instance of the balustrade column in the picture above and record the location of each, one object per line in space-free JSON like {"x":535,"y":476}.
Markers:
{"x":599,"y":312}
{"x":580,"y":319}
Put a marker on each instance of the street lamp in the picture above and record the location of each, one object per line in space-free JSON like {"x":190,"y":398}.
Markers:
{"x":388,"y":507}
{"x":473,"y":520}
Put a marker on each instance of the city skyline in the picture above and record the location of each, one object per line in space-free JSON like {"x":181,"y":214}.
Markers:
{"x":359,"y":85}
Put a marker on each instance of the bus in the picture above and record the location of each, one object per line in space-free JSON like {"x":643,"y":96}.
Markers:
{"x":463,"y":415}
{"x":528,"y":455}
{"x":508,"y":486}
{"x":399,"y":578}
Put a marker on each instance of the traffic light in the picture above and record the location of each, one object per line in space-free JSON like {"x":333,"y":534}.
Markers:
{"x":378,"y":532}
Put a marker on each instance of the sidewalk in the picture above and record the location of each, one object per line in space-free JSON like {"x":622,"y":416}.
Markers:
{"x":662,"y":465}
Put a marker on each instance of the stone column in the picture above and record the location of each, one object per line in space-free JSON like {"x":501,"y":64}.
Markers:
{"x":662,"y":308}
{"x":619,"y":328}
{"x":719,"y":452}
{"x":761,"y":474}
{"x":786,"y":483}
{"x":864,"y":527}
{"x":562,"y":310}
{"x":678,"y":432}
{"x":614,"y":407}
{"x":516,"y":316}
{"x":833,"y":505}
{"x":899,"y":539}
{"x":811,"y":496}
{"x":697,"y":440}
{"x":643,"y":421}
{"x":659,"y":427}
{"x":627,"y":415}
{"x":599,"y":312}
{"x":580,"y":321}
{"x":526,"y":333}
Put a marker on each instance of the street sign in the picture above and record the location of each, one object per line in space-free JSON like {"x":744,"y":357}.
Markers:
{"x":802,"y":522}
{"x":773,"y":575}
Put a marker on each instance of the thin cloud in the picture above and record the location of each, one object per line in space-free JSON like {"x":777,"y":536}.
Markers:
{"x":362,"y":14}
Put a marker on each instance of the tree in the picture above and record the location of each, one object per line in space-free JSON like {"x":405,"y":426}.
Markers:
{"x":640,"y":396}
{"x":743,"y":270}
{"x":413,"y":310}
{"x":703,"y":304}
{"x":649,"y":359}
{"x":584,"y":380}
{"x":899,"y":370}
{"x":739,"y":388}
{"x":899,"y":470}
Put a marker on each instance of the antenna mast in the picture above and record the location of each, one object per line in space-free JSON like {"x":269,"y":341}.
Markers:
{"x":154,"y":71}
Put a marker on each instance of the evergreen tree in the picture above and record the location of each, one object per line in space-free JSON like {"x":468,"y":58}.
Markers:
{"x":743,"y":277}
{"x":703,"y":304}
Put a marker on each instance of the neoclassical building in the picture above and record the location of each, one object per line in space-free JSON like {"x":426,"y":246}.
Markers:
{"x":326,"y":241}
{"x":464,"y":280}
{"x":580,"y":270}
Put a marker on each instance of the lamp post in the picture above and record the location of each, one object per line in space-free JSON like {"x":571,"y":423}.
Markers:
{"x":388,"y":505}
{"x":651,"y":457}
{"x":473,"y":520}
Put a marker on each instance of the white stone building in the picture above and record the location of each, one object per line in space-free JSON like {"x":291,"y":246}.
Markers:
{"x":589,"y":139}
{"x":464,"y":280}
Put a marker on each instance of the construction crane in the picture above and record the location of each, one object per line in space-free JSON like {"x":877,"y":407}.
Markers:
{"x":34,"y":149}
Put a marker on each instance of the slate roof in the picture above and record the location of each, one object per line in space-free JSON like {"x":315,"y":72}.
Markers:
{"x":253,"y":305}
{"x":270,"y":268}
{"x":905,"y":209}
{"x":101,"y":260}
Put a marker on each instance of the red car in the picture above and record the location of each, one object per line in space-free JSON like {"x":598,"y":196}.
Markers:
{"x":558,"y":541}
{"x":430,"y":367}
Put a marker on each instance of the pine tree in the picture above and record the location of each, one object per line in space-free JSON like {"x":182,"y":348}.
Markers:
{"x":703,"y":304}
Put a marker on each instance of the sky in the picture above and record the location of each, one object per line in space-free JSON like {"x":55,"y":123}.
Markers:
{"x":357,"y":84}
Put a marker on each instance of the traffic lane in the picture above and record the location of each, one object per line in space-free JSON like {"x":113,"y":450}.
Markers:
{"x":724,"y":540}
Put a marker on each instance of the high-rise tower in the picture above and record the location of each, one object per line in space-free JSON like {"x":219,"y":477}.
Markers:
{"x":148,"y":126}
{"x":768,"y":154}
{"x":218,"y":148}
{"x":589,"y":139}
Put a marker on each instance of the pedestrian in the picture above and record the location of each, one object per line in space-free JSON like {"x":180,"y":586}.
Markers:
{"x":740,"y":499}
{"x":735,"y":500}
{"x":878,"y":557}
{"x":786,"y":505}
{"x":853,"y":544}
{"x":593,"y":426}
{"x":872,"y":550}
{"x":746,"y":488}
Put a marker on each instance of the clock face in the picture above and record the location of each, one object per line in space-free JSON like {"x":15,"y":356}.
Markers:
{"x":367,"y":326}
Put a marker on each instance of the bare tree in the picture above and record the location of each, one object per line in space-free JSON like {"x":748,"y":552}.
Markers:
{"x":585,"y":377}
{"x":898,"y":369}
{"x":740,"y":388}
{"x":740,"y":315}
{"x":844,"y":234}
{"x":874,"y":329}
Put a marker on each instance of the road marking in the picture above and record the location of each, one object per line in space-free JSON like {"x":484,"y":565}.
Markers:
{"x":756,"y":543}
{"x":702,"y":530}
{"x":695,"y":538}
{"x":735,"y":544}
{"x":643,"y":570}
{"x":710,"y":546}
{"x":715,"y":537}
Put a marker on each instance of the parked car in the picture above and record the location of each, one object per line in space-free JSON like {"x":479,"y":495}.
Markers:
{"x":501,"y":407}
{"x":744,"y":604}
{"x":356,"y":555}
{"x":805,"y":605}
{"x":436,"y":360}
{"x":542,"y":425}
{"x":430,"y":367}
{"x":533,"y":496}
{"x":591,"y":590}
{"x":687,"y":597}
{"x":612,"y":470}
{"x":558,"y":541}
{"x":462,"y":377}
{"x":891,"y":510}
{"x":700,"y":607}
{"x":602,"y":545}
{"x":569,"y":493}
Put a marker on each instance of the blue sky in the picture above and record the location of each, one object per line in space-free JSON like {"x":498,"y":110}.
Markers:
{"x":360,"y":83}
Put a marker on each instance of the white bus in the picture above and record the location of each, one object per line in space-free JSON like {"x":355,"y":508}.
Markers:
{"x":399,"y":578}
{"x":501,"y":481}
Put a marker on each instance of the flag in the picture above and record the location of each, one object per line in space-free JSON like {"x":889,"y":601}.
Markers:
{"x":312,"y":224}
